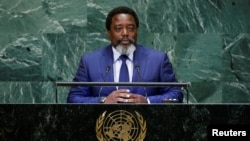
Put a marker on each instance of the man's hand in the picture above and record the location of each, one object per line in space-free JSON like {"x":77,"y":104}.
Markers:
{"x":124,"y":96}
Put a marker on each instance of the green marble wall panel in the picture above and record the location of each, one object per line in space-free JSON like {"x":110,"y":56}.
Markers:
{"x":27,"y":92}
{"x":42,"y":41}
{"x":235,"y":16}
{"x":200,"y":16}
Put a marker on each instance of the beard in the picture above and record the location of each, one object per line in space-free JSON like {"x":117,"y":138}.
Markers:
{"x":125,"y":49}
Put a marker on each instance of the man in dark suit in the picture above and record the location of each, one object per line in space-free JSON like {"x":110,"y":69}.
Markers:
{"x":142,"y":64}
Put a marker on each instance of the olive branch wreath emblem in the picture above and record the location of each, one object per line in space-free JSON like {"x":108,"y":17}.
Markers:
{"x":141,"y":121}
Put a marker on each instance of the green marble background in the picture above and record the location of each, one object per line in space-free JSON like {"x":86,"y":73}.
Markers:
{"x":41,"y":42}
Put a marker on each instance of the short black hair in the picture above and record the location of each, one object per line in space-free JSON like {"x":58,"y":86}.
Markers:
{"x":119,"y":10}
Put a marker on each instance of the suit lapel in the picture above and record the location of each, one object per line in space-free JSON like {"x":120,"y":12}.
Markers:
{"x":140,"y":59}
{"x":107,"y":61}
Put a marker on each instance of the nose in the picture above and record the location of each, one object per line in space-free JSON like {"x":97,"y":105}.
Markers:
{"x":124,"y":32}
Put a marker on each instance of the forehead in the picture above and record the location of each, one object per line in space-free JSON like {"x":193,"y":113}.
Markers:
{"x":123,"y":19}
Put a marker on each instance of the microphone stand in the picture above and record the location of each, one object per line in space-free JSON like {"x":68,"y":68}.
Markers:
{"x":140,"y":77}
{"x":104,"y":79}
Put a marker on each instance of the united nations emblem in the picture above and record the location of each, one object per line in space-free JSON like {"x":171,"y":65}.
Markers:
{"x":120,"y":125}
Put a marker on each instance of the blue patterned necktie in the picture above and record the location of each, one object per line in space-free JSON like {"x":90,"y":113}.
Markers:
{"x":124,"y":76}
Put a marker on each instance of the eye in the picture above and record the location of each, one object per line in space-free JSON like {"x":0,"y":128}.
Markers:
{"x":131,"y":28}
{"x":118,"y":29}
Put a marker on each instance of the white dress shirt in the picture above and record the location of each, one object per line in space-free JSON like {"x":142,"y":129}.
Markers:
{"x":118,"y":63}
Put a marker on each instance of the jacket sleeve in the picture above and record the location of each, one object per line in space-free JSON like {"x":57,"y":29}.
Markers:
{"x":166,"y":74}
{"x":81,"y":94}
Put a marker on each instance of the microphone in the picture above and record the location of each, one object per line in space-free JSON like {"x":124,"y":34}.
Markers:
{"x":104,"y":80}
{"x":137,"y":67}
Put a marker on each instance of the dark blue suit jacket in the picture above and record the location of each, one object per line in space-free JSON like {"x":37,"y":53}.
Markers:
{"x":154,"y":67}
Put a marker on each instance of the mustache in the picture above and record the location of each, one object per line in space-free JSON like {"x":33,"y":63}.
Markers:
{"x":131,"y":40}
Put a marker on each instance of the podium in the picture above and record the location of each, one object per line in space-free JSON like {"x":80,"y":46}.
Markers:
{"x":75,"y":122}
{"x":184,"y":86}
